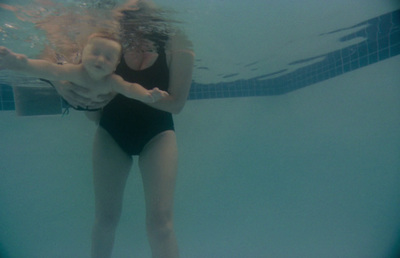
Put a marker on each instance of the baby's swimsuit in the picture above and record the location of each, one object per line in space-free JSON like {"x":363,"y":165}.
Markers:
{"x":66,"y":104}
{"x":130,"y":122}
{"x":60,"y":61}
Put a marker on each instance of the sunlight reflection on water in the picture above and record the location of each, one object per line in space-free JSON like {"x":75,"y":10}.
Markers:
{"x":29,"y":27}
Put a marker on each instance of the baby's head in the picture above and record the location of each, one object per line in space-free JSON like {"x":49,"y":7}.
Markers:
{"x":102,"y":53}
{"x":104,"y":35}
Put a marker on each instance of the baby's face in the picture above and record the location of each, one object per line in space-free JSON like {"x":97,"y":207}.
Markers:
{"x":101,"y":56}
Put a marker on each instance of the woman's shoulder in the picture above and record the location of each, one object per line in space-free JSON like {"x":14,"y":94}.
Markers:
{"x":178,"y":43}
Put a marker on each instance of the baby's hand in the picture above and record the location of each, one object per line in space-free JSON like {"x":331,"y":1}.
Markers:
{"x":158,"y":94}
{"x":10,"y":60}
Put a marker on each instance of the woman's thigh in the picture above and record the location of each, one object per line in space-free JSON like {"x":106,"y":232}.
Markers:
{"x":111,"y":168}
{"x":158,"y":163}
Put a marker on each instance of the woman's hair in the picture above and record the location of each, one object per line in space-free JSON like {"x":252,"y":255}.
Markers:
{"x":144,"y":22}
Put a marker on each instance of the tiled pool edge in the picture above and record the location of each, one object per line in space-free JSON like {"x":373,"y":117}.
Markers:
{"x":382,"y":41}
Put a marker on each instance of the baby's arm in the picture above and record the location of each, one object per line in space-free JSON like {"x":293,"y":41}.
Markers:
{"x":35,"y":67}
{"x":136,"y":91}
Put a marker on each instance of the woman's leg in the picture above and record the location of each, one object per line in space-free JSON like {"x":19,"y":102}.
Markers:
{"x":111,"y":167}
{"x":158,"y":165}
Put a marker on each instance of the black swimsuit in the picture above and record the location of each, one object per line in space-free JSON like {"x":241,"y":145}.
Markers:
{"x":132,"y":123}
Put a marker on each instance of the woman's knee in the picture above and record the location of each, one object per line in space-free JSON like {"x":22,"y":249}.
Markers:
{"x":160,"y":223}
{"x":107,"y":219}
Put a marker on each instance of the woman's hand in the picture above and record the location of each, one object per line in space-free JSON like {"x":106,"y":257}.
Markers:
{"x":75,"y":95}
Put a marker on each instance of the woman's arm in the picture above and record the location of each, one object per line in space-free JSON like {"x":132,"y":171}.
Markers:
{"x":180,"y":70}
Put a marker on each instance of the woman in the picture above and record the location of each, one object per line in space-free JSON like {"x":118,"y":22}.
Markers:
{"x":143,"y":130}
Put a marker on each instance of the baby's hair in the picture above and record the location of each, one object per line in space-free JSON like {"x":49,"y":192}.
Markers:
{"x":106,"y":35}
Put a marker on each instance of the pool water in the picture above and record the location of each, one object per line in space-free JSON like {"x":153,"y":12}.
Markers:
{"x":290,"y":159}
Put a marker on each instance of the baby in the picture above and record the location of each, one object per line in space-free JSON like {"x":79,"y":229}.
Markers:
{"x":100,"y":57}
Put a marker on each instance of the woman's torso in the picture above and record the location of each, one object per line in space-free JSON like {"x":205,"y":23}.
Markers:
{"x":130,"y":122}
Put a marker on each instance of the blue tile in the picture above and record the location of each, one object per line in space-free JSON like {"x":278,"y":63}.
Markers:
{"x":363,"y":61}
{"x":362,"y":48}
{"x":7,"y":94}
{"x":372,"y":46}
{"x":338,"y":54}
{"x":395,"y":50}
{"x":354,"y":65}
{"x":385,"y":24}
{"x":213,"y":94}
{"x":394,"y":38}
{"x":8,"y":105}
{"x":395,"y":17}
{"x":372,"y":30}
{"x":354,"y":58}
{"x":383,"y":54}
{"x":373,"y":58}
{"x":339,"y":71}
{"x":326,"y":75}
{"x":332,"y":73}
{"x":346,"y":60}
{"x":192,"y":95}
{"x":338,"y":63}
{"x":238,"y":87}
{"x":345,"y":52}
{"x":236,"y":94}
{"x":346,"y":67}
{"x":383,"y":42}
